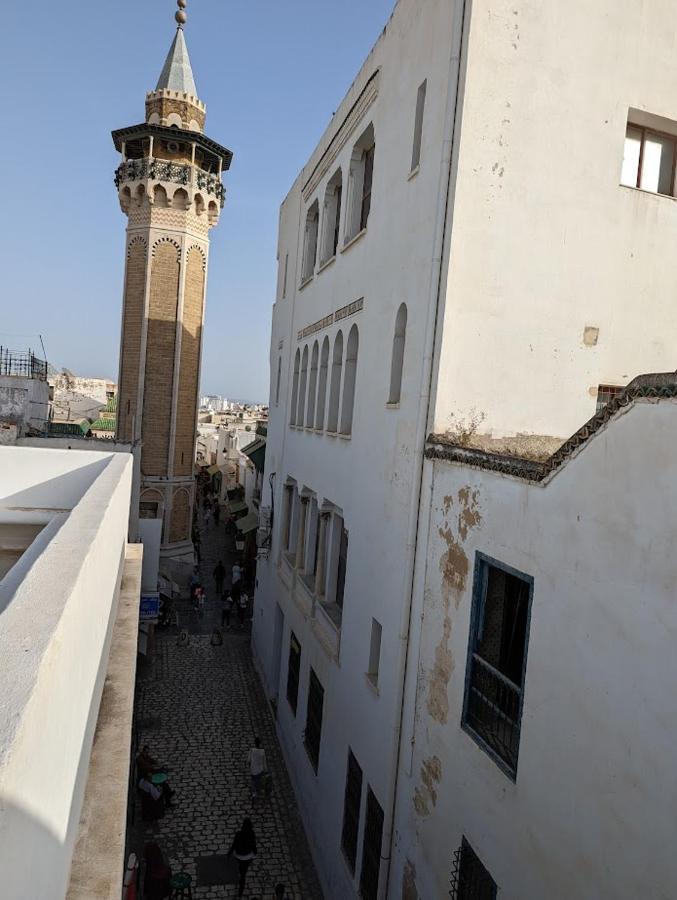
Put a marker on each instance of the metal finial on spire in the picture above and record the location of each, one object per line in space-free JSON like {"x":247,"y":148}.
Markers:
{"x":180,"y":16}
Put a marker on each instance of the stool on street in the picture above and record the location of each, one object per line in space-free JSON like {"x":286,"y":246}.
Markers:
{"x":180,"y":885}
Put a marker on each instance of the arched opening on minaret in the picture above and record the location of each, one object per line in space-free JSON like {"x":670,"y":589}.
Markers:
{"x":199,"y":204}
{"x":125,"y":199}
{"x":160,"y":196}
{"x":140,"y":194}
{"x":180,"y":199}
{"x":213,"y":212}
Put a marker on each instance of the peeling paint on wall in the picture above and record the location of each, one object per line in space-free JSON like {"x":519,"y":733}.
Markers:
{"x":454,"y":568}
{"x":425,"y":797}
{"x":409,"y":889}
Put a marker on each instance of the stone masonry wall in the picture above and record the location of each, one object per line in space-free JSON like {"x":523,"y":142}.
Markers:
{"x":132,"y":326}
{"x":159,"y":377}
{"x":191,"y":339}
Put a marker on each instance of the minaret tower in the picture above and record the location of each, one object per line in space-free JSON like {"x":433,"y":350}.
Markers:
{"x":169,"y":185}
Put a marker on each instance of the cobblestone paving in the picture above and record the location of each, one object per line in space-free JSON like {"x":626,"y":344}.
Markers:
{"x":198,"y":708}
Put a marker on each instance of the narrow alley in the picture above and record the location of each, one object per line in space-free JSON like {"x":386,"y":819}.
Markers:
{"x":198,"y":708}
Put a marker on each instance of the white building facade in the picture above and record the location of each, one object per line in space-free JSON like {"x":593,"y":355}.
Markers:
{"x":448,"y":265}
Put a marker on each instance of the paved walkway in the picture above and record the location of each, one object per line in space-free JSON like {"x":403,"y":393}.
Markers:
{"x":199,"y":708}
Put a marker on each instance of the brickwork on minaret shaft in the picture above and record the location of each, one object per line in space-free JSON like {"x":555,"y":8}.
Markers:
{"x":132,"y":331}
{"x":191,"y":342}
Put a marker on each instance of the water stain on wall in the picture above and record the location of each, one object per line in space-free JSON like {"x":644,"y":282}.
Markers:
{"x":454,"y":568}
{"x":425,"y":796}
{"x":409,"y":889}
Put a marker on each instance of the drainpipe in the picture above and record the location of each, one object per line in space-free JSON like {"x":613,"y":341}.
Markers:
{"x":416,"y":514}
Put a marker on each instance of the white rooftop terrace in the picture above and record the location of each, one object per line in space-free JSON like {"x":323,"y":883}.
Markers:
{"x":69,"y":592}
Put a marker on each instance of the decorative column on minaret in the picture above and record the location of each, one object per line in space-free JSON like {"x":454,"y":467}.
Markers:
{"x":169,"y":185}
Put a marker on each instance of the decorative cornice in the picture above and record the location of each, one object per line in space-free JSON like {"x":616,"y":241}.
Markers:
{"x":658,"y":386}
{"x":342,"y":135}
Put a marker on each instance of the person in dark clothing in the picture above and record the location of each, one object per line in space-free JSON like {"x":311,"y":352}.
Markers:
{"x":217,"y":513}
{"x":226,"y":611}
{"x":157,"y":881}
{"x":219,"y":574}
{"x":244,"y":848}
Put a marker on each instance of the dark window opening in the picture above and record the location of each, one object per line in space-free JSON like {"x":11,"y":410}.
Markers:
{"x":342,"y":564}
{"x":293,"y":671}
{"x":337,"y":221}
{"x":366,"y":188}
{"x":469,"y":879}
{"x":313,"y":734}
{"x":148,"y":510}
{"x":371,"y":848}
{"x":351,"y":811}
{"x":497,"y":659}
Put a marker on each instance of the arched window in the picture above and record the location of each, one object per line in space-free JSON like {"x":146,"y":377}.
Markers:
{"x":312,"y":386}
{"x":310,"y":242}
{"x":332,"y":217}
{"x":322,"y":385}
{"x":398,"y":355}
{"x":301,"y":408}
{"x":361,"y":174}
{"x":295,"y":388}
{"x":349,"y":382}
{"x":277,"y":386}
{"x":335,"y":388}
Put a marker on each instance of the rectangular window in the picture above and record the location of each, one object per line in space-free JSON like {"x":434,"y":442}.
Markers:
{"x":366,"y":186}
{"x":342,"y":564}
{"x":371,"y":848}
{"x":606,"y":392}
{"x":293,"y":672}
{"x":374,"y":651}
{"x":418,"y":126}
{"x":313,"y":735}
{"x":284,"y":279}
{"x":649,"y":159}
{"x":469,"y":879}
{"x":351,"y":811}
{"x":310,"y":242}
{"x":497,"y":656}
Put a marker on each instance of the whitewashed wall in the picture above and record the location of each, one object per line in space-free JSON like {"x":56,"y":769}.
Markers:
{"x":592,"y":811}
{"x":57,"y":606}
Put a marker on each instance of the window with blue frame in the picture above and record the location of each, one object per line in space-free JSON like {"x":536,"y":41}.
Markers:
{"x":497,"y":659}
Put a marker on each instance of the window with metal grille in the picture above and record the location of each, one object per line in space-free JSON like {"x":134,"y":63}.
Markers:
{"x":606,"y":392}
{"x":351,"y":811}
{"x":293,"y":672}
{"x":313,"y":735}
{"x":371,"y":848}
{"x":497,"y":656}
{"x":469,"y":879}
{"x":366,"y":186}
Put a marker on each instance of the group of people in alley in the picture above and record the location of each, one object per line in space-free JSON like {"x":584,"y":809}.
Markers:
{"x":156,"y":797}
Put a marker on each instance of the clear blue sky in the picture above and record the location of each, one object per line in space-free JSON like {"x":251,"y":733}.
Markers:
{"x":271,"y":74}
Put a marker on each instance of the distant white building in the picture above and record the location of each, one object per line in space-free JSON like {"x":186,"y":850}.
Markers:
{"x":479,"y":251}
{"x":68,"y":656}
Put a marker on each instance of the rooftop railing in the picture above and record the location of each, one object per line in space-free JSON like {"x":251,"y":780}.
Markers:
{"x":22,"y":364}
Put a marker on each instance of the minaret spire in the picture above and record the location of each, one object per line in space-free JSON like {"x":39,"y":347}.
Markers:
{"x":177,"y":73}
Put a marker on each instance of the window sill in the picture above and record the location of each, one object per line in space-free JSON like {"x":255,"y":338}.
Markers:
{"x":353,"y":240}
{"x":393,"y":405}
{"x":332,"y":612}
{"x":331,"y":434}
{"x":637,"y":190}
{"x":306,"y":281}
{"x":344,"y":437}
{"x":372,"y":683}
{"x":325,"y":265}
{"x":414,"y":172}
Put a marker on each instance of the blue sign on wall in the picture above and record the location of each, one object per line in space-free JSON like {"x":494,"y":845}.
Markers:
{"x":150,"y":607}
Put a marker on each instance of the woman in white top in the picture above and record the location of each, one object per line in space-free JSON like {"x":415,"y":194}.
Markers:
{"x":256,"y":760}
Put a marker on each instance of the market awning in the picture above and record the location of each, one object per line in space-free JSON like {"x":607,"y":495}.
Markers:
{"x":212,"y":470}
{"x":201,"y":463}
{"x":256,"y":451}
{"x":239,"y":507}
{"x":248,"y":523}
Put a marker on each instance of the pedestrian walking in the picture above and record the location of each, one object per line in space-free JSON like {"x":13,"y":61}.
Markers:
{"x":244,"y":850}
{"x":207,"y":516}
{"x":236,"y":574}
{"x":219,"y":574}
{"x":226,"y":611}
{"x":242,"y":607}
{"x":258,"y":766}
{"x":217,"y":513}
{"x":201,"y":598}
